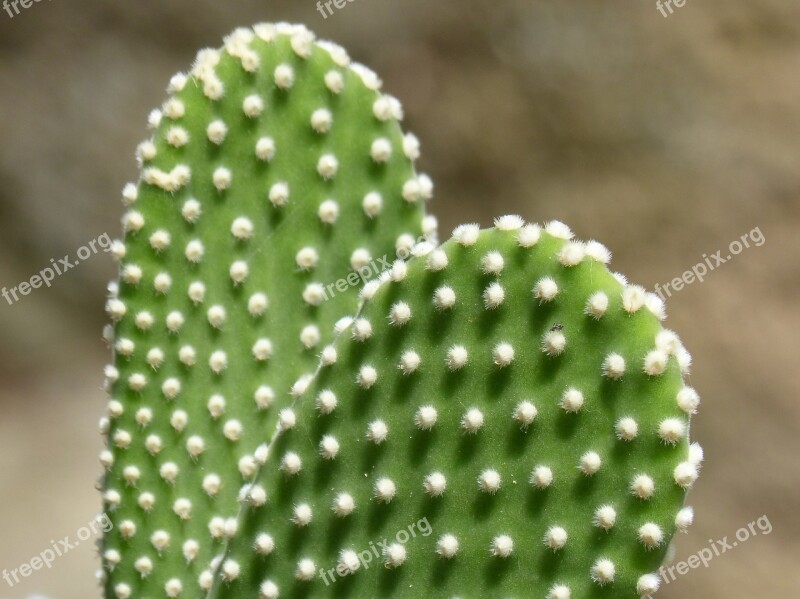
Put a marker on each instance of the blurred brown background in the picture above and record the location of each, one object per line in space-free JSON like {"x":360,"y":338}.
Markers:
{"x":666,"y":138}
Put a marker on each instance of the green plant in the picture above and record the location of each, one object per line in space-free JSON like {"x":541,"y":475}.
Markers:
{"x":503,"y":392}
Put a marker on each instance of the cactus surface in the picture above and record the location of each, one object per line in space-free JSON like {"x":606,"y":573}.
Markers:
{"x":277,"y":176}
{"x":500,"y":416}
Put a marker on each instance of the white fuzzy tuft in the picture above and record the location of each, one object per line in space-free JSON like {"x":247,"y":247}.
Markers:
{"x":648,"y":584}
{"x":368,"y":77}
{"x":425,"y":418}
{"x":191,"y":211}
{"x":642,"y":486}
{"x":545,"y":289}
{"x":472,"y":421}
{"x":242,"y":228}
{"x":264,"y":544}
{"x":684,"y":519}
{"x":559,"y":230}
{"x":597,"y":251}
{"x":447,"y":546}
{"x":328,"y":166}
{"x":334,"y":82}
{"x":381,"y":150}
{"x":265,"y":149}
{"x":222,"y":178}
{"x":696,"y":455}
{"x":377,"y":431}
{"x":509,"y":222}
{"x":655,"y":363}
{"x":529,"y":235}
{"x":457,"y":357}
{"x":372,"y":204}
{"x":367,"y":376}
{"x":257,"y":304}
{"x":435,"y":484}
{"x":603,"y":571}
{"x":503,"y":354}
{"x":216,"y":132}
{"x":541,"y":477}
{"x":437,"y":260}
{"x":688,"y":400}
{"x":605,"y":517}
{"x":685,"y":474}
{"x":489,"y":481}
{"x":279,"y":194}
{"x":590,"y":463}
{"x":572,"y":253}
{"x":525,"y":413}
{"x":633,"y":298}
{"x":626,"y":429}
{"x":493,"y":296}
{"x":253,"y":106}
{"x":596,"y":305}
{"x":613,"y":366}
{"x":572,"y":400}
{"x":195,"y":251}
{"x":387,"y":107}
{"x":343,"y":505}
{"x":348,"y":562}
{"x":556,"y":538}
{"x":492,"y":263}
{"x":411,"y":146}
{"x":306,"y":569}
{"x":400,"y":314}
{"x":671,"y":430}
{"x":409,"y":362}
{"x":321,"y":120}
{"x":502,"y":546}
{"x":284,"y":76}
{"x":291,"y":463}
{"x":444,"y":298}
{"x":239,"y":272}
{"x":362,"y":329}
{"x":287,"y":419}
{"x":554,"y":343}
{"x":310,"y":336}
{"x":395,"y":555}
{"x":385,"y":490}
{"x":466,"y":235}
{"x":559,"y":591}
{"x":327,"y":401}
{"x":651,"y":535}
{"x":268,"y":590}
{"x":656,"y":306}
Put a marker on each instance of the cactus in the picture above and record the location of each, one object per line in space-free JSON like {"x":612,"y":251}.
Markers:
{"x":277,"y":176}
{"x":499,"y":416}
{"x":504,"y":418}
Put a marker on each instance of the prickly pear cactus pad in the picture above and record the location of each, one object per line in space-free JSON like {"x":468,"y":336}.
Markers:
{"x":504,"y":418}
{"x":276,"y":169}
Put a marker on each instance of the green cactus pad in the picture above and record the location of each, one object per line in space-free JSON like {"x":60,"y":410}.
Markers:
{"x":504,"y":418}
{"x":275,"y":171}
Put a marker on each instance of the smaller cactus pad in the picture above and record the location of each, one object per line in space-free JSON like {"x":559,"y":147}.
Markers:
{"x":504,"y":418}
